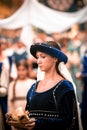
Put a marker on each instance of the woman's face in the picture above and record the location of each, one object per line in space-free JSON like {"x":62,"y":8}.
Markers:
{"x":45,"y":61}
{"x":22,"y":72}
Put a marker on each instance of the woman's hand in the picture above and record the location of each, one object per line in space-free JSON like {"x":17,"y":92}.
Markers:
{"x":29,"y":125}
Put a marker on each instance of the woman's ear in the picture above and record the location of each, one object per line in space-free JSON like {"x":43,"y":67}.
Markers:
{"x":55,"y":60}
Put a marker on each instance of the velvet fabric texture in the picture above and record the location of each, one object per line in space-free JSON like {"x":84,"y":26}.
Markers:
{"x":50,"y":113}
{"x":44,"y":47}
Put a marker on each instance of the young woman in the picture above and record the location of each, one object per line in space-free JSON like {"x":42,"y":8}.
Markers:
{"x":51,"y":102}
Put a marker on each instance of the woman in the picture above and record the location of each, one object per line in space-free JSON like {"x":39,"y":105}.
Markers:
{"x":51,"y":102}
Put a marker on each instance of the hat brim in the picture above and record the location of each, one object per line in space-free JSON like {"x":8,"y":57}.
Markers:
{"x":48,"y":50}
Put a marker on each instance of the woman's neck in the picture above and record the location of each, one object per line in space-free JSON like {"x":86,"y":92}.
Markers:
{"x":52,"y":76}
{"x":49,"y":81}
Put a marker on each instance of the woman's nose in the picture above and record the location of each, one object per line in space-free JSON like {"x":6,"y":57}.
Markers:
{"x":38,"y":60}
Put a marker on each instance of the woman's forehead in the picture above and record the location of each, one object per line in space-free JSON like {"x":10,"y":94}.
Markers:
{"x":40,"y":53}
{"x":43,"y":54}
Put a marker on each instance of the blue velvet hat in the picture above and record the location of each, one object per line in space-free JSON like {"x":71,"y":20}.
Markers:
{"x":48,"y":49}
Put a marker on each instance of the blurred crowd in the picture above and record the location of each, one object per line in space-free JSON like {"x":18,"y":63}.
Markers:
{"x":18,"y":69}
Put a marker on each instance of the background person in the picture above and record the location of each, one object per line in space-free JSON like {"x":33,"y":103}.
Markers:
{"x":19,"y":87}
{"x":83,"y":77}
{"x":4,"y":82}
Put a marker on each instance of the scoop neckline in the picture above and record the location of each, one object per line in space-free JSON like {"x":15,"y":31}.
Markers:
{"x":48,"y":89}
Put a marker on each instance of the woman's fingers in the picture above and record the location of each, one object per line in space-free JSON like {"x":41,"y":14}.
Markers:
{"x":31,"y":120}
{"x":27,"y":125}
{"x":30,"y":125}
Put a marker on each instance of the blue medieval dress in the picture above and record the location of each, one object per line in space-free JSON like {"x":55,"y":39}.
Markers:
{"x":55,"y":108}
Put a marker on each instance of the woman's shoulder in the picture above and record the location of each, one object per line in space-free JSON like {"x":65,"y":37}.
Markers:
{"x":65,"y":85}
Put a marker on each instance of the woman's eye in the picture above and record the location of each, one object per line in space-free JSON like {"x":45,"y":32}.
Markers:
{"x":40,"y":57}
{"x":43,"y":56}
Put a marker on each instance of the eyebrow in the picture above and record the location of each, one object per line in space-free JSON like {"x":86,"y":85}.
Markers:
{"x":41,"y":53}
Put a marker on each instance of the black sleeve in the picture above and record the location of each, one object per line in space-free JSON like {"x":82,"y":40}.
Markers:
{"x":65,"y":114}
